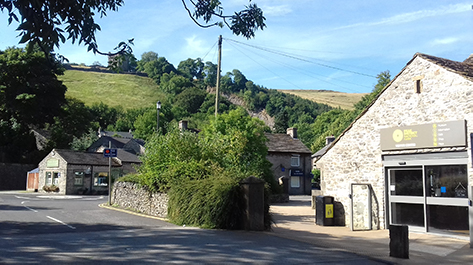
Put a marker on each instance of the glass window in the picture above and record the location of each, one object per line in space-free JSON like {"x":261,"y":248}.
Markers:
{"x":447,"y":181}
{"x":101,"y":179}
{"x":48,"y":178}
{"x":55,"y":178}
{"x":408,"y":214}
{"x":406,"y":182}
{"x":451,"y":218}
{"x":295,"y":161}
{"x":78,"y":178}
{"x":295,"y":182}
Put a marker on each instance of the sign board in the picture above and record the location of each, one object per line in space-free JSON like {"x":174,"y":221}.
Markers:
{"x":432,"y":135}
{"x":328,"y":210}
{"x":297,"y":172}
{"x":110,"y":152}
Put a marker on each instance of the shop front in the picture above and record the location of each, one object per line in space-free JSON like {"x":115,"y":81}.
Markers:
{"x":428,"y":191}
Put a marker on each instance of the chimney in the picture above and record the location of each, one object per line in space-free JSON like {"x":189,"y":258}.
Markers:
{"x":183,"y":125}
{"x":469,"y":60}
{"x":292,"y":132}
{"x":329,"y":139}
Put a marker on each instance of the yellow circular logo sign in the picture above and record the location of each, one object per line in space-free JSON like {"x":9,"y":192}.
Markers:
{"x":398,"y":135}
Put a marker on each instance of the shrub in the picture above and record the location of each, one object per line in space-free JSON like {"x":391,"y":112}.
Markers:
{"x":215,"y":202}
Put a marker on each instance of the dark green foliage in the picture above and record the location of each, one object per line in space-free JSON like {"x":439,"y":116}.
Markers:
{"x":190,"y":99}
{"x":85,"y":141}
{"x":29,"y":89}
{"x":215,"y":202}
{"x":191,"y":68}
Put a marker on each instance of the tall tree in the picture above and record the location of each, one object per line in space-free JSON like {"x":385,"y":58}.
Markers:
{"x":191,"y":68}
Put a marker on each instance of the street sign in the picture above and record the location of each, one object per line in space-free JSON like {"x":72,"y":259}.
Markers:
{"x":110,"y":152}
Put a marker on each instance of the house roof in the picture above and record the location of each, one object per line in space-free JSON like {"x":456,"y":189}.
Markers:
{"x":125,"y":156}
{"x":284,"y":143}
{"x":128,"y":135}
{"x":464,"y":69}
{"x":84,"y":158}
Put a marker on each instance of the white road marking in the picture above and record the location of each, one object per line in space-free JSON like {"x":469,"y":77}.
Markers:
{"x":61,"y":222}
{"x":30,"y":208}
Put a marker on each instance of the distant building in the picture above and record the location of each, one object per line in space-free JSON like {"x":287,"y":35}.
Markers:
{"x":291,"y":159}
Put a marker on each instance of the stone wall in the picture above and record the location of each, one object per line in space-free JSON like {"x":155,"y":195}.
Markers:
{"x":131,"y":196}
{"x":13,"y":176}
{"x":357,"y":157}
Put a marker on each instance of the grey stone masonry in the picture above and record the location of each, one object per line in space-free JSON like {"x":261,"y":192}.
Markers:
{"x":132,"y":196}
{"x":356,"y":156}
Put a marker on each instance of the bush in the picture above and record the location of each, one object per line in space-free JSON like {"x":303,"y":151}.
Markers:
{"x":215,"y":202}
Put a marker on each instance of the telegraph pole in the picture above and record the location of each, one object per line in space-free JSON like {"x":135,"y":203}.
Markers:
{"x":218,"y":73}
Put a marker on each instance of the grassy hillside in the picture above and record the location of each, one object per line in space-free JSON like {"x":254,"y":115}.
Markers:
{"x":131,"y":91}
{"x":128,"y":91}
{"x":331,"y":98}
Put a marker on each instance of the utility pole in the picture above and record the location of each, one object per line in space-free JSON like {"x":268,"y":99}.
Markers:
{"x":219,"y":63}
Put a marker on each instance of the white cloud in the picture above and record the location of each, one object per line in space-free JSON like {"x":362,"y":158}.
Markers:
{"x":413,"y":16}
{"x":276,"y":10}
{"x":445,"y":41}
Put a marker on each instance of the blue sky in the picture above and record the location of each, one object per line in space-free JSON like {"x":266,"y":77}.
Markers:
{"x":308,"y":44}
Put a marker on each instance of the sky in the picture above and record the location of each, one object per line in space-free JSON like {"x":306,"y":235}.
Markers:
{"x":307,"y":44}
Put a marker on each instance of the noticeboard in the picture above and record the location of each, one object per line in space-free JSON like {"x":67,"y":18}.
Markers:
{"x":432,"y":135}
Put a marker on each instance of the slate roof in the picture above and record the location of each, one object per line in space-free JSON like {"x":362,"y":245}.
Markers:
{"x":464,"y":68}
{"x":84,"y":158}
{"x":284,"y":143}
{"x":125,"y":156}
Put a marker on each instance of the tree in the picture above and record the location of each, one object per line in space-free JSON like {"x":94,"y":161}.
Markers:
{"x":174,"y":84}
{"x":30,"y":92}
{"x":190,"y":99}
{"x":191,"y":68}
{"x":210,"y":72}
{"x":49,"y":22}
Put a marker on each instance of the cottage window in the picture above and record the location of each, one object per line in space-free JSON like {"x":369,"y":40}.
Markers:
{"x":55,"y":178}
{"x":101,"y":179}
{"x":78,"y":178}
{"x":48,"y":178}
{"x":295,"y":161}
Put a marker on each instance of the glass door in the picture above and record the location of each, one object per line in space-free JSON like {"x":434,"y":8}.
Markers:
{"x":406,"y":196}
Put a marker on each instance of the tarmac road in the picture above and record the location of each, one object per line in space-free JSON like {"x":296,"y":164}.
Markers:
{"x":75,"y":230}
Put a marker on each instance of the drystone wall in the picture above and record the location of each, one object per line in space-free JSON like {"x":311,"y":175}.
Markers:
{"x":131,"y":196}
{"x":357,"y":157}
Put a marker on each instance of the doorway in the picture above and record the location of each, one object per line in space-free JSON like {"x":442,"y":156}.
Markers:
{"x":429,"y":198}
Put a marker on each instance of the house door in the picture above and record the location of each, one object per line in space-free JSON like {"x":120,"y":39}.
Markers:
{"x":33,"y":181}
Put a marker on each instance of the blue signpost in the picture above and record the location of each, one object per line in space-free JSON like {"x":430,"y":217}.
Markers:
{"x":110,"y":152}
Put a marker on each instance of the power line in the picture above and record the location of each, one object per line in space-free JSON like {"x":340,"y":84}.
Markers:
{"x":305,"y":72}
{"x":300,"y":59}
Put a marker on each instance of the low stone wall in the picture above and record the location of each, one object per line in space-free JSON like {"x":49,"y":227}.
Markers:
{"x":131,"y":196}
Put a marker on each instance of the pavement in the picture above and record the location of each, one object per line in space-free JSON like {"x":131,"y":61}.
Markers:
{"x":296,"y":220}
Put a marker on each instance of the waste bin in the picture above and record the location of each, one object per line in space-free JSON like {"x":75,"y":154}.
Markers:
{"x":324,"y":210}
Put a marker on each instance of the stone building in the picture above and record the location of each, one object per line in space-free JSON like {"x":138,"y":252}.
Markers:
{"x":407,"y":158}
{"x":291,"y":160}
{"x":75,"y":172}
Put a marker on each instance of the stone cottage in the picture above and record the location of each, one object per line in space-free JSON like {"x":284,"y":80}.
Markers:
{"x":407,"y":158}
{"x":291,"y":160}
{"x":75,"y":172}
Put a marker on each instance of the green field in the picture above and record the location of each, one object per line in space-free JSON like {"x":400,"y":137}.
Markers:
{"x":128,"y":91}
{"x":331,"y":98}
